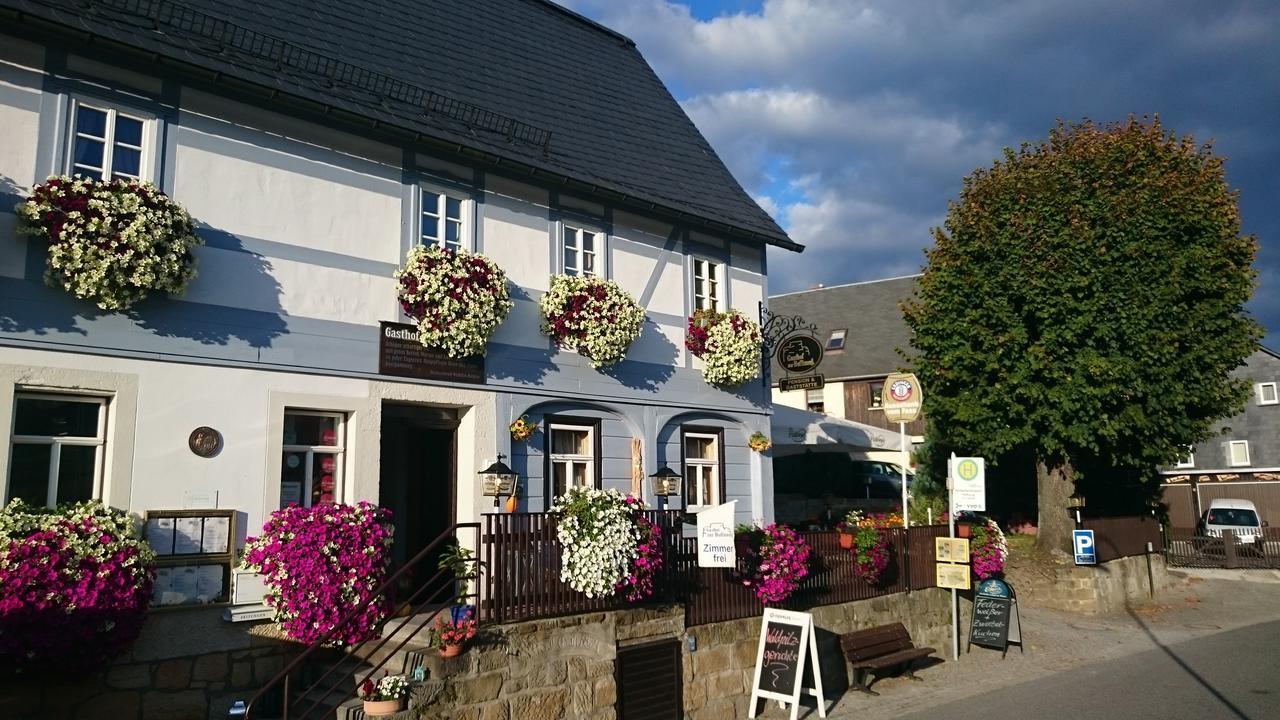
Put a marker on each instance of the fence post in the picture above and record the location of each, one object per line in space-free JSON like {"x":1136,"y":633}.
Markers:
{"x":1229,"y":549}
{"x":906,"y":558}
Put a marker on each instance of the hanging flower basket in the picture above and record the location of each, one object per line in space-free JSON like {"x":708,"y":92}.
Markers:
{"x":775,"y":564}
{"x":111,"y":242}
{"x":759,"y":442}
{"x":729,"y":344}
{"x":522,"y":429}
{"x":457,"y":298}
{"x":595,"y":317}
{"x":606,"y":544}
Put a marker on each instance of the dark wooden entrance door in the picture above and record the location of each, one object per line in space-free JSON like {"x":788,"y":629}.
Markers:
{"x":417,"y":483}
{"x":650,"y":681}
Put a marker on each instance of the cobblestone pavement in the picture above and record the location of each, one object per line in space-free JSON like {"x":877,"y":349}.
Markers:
{"x":1201,"y":603}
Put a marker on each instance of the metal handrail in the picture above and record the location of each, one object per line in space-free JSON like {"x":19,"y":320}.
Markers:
{"x":282,"y":677}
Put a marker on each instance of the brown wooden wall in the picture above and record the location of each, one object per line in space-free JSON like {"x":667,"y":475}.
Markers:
{"x":1181,"y":499}
{"x":857,"y":407}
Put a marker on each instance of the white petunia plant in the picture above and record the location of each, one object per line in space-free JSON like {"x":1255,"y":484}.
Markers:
{"x":596,"y":317}
{"x":458,"y":298}
{"x":599,"y":539}
{"x":111,"y":242}
{"x":729,"y":344}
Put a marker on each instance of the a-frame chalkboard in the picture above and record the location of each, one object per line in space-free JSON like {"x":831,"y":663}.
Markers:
{"x":996,"y":622}
{"x":788,"y":649}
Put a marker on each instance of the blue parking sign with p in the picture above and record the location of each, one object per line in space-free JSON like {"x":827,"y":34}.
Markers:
{"x":1086,"y":552}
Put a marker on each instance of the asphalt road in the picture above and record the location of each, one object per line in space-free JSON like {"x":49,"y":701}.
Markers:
{"x":1233,"y":675}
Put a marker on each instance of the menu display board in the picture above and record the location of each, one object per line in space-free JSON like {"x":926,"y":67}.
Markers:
{"x":195,"y":551}
{"x":787,"y":661}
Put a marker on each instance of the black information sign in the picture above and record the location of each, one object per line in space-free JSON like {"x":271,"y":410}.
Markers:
{"x":807,"y":382}
{"x":995,"y":611}
{"x":800,"y":353}
{"x":400,"y":353}
{"x":780,"y":657}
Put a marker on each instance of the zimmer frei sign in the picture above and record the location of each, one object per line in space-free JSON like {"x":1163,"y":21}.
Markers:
{"x":715,"y":537}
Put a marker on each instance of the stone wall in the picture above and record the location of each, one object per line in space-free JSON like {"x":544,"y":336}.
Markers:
{"x":186,"y":665}
{"x":1105,"y":588}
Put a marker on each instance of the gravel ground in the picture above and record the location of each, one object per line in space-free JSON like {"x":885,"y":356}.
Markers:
{"x":1201,"y":603}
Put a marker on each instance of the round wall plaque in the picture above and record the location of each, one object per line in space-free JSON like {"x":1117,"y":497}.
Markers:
{"x":205,"y":441}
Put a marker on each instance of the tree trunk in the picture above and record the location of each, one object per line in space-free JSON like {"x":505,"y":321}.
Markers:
{"x":1053,"y":488}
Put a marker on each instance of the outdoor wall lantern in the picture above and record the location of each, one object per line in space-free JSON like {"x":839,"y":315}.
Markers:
{"x":666,"y":482}
{"x":498,"y":479}
{"x":1074,"y":504}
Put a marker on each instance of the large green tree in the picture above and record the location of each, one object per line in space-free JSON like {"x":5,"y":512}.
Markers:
{"x":1083,"y":306}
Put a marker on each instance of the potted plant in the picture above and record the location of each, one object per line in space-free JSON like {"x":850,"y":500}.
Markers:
{"x":592,"y":316}
{"x":774,"y":571}
{"x":988,"y":550}
{"x":451,"y":633}
{"x":385,"y":696}
{"x":463,"y":565}
{"x":759,"y":442}
{"x":848,"y":528}
{"x":457,"y":298}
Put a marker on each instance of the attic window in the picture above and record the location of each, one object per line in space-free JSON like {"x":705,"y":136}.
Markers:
{"x":836,"y":341}
{"x":1267,"y":394}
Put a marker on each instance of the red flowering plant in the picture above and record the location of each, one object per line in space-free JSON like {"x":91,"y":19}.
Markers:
{"x":319,"y":563}
{"x":776,"y":561}
{"x":75,"y":585}
{"x":111,"y":242}
{"x":638,"y":585}
{"x":593,"y":316}
{"x":871,"y":543}
{"x":451,"y":631}
{"x":458,"y":298}
{"x":729,"y":344}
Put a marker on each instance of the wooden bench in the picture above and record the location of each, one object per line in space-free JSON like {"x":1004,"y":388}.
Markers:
{"x":874,"y":649}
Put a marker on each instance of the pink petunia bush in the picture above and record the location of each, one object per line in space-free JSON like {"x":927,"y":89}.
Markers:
{"x":776,"y":563}
{"x":988,"y":549}
{"x":638,"y":585}
{"x":319,"y":563}
{"x":75,"y":585}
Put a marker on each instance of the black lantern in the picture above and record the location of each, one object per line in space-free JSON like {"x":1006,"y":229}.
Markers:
{"x":498,"y":479}
{"x":666,"y":482}
{"x":1074,"y":504}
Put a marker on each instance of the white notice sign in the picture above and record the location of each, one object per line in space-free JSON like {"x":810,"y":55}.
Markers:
{"x":969,"y":484}
{"x":715,"y":537}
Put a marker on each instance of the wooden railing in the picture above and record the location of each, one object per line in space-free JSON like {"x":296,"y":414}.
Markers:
{"x":523,"y":580}
{"x":1118,"y":537}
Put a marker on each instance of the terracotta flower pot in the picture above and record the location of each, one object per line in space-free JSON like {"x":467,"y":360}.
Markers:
{"x":450,"y":650}
{"x":846,"y":540}
{"x":382,"y":707}
{"x":964,"y":530}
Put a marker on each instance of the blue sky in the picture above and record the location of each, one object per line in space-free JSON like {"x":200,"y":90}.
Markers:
{"x":854,"y":121}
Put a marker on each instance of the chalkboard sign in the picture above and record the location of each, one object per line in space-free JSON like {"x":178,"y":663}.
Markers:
{"x":787,"y":661}
{"x":990,"y":626}
{"x":995,"y":612}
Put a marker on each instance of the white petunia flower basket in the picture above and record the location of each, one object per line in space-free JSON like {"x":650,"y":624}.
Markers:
{"x":729,"y":344}
{"x":593,"y":316}
{"x":458,"y":298}
{"x":111,"y":242}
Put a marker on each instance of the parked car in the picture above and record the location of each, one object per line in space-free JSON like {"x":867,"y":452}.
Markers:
{"x":1238,"y":516}
{"x":816,"y":489}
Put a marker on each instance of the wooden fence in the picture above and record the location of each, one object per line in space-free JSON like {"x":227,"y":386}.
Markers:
{"x":1118,"y":537}
{"x":522,"y":581}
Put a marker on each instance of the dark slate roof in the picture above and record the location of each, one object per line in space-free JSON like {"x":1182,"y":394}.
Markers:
{"x":521,"y":82}
{"x":871,"y":313}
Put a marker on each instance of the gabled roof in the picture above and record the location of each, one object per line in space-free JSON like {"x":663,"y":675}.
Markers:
{"x":522,"y":83}
{"x":869,"y":311}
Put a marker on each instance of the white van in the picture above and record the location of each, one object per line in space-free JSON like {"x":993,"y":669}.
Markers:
{"x":1238,"y":516}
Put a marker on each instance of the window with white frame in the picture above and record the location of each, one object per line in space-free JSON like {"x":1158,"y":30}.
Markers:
{"x":706,"y":285}
{"x":1238,"y":453}
{"x":107,"y":143}
{"x":444,"y":220}
{"x":702,"y":471}
{"x":58,"y":446}
{"x":580,"y":249}
{"x":1267,"y":394}
{"x":813,"y":400}
{"x":572,"y":457}
{"x":311,"y":468}
{"x":836,"y":341}
{"x":1187,"y":459}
